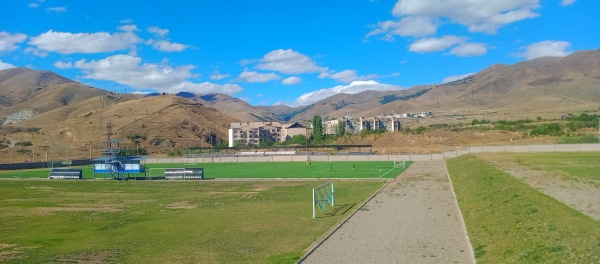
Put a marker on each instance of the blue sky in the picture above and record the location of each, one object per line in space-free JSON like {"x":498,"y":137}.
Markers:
{"x":286,"y":52}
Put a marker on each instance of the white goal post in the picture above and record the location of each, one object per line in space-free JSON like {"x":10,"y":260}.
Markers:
{"x":399,"y":163}
{"x":322,"y":197}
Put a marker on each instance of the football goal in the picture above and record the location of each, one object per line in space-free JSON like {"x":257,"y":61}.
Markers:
{"x":322,"y":197}
{"x":399,"y":163}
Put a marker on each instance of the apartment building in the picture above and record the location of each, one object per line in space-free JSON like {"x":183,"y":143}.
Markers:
{"x":251,"y":133}
{"x":352,"y":125}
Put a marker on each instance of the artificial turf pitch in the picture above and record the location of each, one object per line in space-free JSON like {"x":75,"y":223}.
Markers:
{"x":313,"y":170}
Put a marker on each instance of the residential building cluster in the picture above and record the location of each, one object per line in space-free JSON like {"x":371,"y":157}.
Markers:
{"x":252,"y":133}
{"x":353,"y":126}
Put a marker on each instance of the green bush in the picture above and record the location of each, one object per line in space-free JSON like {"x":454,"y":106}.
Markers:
{"x":33,"y":129}
{"x":175,"y":152}
{"x":550,"y":129}
{"x":24,"y":143}
{"x":578,"y":139}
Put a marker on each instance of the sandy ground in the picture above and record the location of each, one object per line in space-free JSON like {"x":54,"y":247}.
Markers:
{"x":580,"y":195}
{"x":414,"y":219}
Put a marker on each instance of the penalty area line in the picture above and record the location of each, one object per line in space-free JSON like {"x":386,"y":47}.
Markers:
{"x":386,"y":173}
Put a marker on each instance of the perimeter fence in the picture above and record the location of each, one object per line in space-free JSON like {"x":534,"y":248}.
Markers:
{"x":386,"y":157}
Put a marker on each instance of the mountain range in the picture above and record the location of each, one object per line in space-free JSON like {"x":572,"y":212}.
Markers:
{"x":69,"y":113}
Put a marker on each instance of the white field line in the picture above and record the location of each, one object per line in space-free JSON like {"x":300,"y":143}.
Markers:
{"x":386,"y":172}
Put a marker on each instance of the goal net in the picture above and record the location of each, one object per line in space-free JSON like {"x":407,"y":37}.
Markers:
{"x":322,"y":197}
{"x":399,"y":163}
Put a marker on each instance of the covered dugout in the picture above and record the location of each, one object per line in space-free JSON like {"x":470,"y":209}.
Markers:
{"x":184,"y":174}
{"x":119,"y":167}
{"x":65,"y":174}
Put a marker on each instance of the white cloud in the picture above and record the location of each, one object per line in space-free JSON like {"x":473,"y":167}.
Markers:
{"x":158,"y":31}
{"x":8,"y":41}
{"x":435,"y":44}
{"x":456,"y":77}
{"x":288,"y":62}
{"x":291,"y":80}
{"x":206,"y":88}
{"x":33,"y":5}
{"x":63,"y":65}
{"x":252,"y":76}
{"x":546,"y":48}
{"x":5,"y":66}
{"x":479,"y":16}
{"x":347,"y":76}
{"x":35,"y":52}
{"x":352,"y":88}
{"x":469,"y":49}
{"x":129,"y":70}
{"x":167,"y":46}
{"x":57,"y":9}
{"x":67,"y":43}
{"x":407,"y":26}
{"x":219,"y":76}
{"x":126,"y":21}
{"x":128,"y":27}
{"x":245,"y":62}
{"x":567,"y":2}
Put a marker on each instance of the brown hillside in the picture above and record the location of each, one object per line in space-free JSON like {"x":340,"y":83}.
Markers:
{"x":162,"y":122}
{"x":235,"y":107}
{"x":56,"y":96}
{"x":541,"y":87}
{"x":20,"y":84}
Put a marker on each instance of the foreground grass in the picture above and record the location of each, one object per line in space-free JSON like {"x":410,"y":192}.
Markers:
{"x":359,"y":169}
{"x":510,"y":222}
{"x":575,"y":165}
{"x":165,"y":222}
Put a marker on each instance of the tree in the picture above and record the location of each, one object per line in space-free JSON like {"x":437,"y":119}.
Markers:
{"x":298,"y":139}
{"x":317,"y":128}
{"x":341,"y":128}
{"x":266,"y":142}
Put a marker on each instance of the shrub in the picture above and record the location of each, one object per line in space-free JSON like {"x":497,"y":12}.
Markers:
{"x":550,"y":129}
{"x":24,"y":143}
{"x":578,"y":139}
{"x":33,"y":129}
{"x":175,"y":152}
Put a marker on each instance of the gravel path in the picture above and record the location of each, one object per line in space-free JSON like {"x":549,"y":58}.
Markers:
{"x":414,"y":219}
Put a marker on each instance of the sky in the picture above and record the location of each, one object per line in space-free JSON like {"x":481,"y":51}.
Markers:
{"x":291,"y":52}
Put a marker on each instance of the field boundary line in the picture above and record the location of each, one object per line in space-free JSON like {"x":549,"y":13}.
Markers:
{"x":460,"y":216}
{"x":343,"y":222}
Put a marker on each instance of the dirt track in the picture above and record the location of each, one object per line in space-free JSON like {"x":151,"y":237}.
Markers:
{"x":414,"y":219}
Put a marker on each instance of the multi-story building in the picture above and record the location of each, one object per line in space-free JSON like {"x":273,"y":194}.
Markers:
{"x":292,"y":129}
{"x":388,"y":123}
{"x":252,"y":133}
{"x":351,"y":125}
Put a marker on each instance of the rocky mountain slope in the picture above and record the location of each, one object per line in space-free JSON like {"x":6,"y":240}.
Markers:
{"x":541,"y":86}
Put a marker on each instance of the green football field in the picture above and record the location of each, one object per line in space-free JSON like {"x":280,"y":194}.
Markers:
{"x":371,"y":169}
{"x":70,"y":221}
{"x":317,"y":170}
